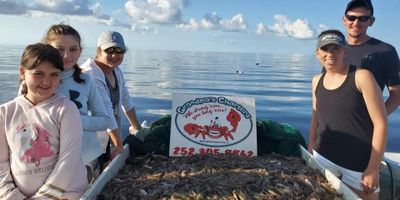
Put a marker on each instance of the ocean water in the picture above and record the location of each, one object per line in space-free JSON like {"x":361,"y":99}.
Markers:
{"x":280,"y":84}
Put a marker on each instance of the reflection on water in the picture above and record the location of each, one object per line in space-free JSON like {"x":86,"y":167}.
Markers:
{"x":281,"y":84}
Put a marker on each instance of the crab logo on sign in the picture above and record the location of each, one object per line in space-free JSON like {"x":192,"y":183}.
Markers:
{"x":213,"y":122}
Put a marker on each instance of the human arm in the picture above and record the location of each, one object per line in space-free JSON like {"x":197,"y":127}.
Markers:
{"x":113,"y":130}
{"x":374,"y":102}
{"x":131,"y":116}
{"x":116,"y":140}
{"x":314,"y":116}
{"x":68,"y":177}
{"x":392,"y":74}
{"x":312,"y":130}
{"x":127,"y":104}
{"x":8,"y":190}
{"x":393,"y":101}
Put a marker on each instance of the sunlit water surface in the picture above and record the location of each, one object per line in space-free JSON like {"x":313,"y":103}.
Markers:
{"x":281,"y":84}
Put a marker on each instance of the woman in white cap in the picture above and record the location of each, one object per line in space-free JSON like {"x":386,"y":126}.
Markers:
{"x":348,"y":130}
{"x":104,"y":68}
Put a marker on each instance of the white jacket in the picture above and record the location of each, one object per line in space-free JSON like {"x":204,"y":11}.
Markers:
{"x":125,"y":101}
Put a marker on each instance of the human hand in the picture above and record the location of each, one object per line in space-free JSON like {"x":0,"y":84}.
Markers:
{"x":310,"y":148}
{"x":132,"y":129}
{"x":116,"y":150}
{"x":142,"y":133}
{"x":370,"y":180}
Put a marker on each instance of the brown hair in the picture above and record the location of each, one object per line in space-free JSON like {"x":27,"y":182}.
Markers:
{"x":38,"y":53}
{"x":98,"y":52}
{"x":62,"y":29}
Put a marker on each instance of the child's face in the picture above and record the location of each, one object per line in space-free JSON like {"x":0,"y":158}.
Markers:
{"x":69,"y":49}
{"x":42,"y":81}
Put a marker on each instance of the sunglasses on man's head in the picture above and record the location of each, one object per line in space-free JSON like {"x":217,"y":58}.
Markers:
{"x":353,"y":18}
{"x":114,"y":50}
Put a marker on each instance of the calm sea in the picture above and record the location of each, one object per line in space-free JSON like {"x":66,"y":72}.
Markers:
{"x":281,"y":84}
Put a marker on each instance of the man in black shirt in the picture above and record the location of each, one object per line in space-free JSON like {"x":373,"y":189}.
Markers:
{"x":367,"y":52}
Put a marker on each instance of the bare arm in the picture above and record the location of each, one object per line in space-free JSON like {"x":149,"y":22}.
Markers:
{"x":377,"y":112}
{"x":131,"y":115}
{"x":116,"y":140}
{"x":127,"y":103}
{"x":314,"y":116}
{"x":115,"y":136}
{"x":393,"y":101}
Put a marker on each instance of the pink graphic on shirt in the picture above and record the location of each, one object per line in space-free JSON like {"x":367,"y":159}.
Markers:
{"x":39,"y":146}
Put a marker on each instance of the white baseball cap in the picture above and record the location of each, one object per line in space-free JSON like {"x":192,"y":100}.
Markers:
{"x":109,"y":39}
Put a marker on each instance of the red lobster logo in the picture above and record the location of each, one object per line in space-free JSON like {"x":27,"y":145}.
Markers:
{"x":215,"y":130}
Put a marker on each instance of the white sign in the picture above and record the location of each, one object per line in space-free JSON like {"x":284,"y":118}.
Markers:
{"x":209,"y":124}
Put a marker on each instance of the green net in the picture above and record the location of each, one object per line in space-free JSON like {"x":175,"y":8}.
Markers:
{"x":272,"y":137}
{"x":281,"y":138}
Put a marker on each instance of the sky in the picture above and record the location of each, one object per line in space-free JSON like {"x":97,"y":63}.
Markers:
{"x":259,"y":26}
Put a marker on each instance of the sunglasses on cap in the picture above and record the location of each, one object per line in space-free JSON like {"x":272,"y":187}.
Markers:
{"x":353,"y":18}
{"x":114,"y":50}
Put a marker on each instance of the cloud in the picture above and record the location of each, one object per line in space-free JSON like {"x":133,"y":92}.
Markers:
{"x":70,"y":7}
{"x":12,"y":7}
{"x":260,"y":28}
{"x":211,"y":21}
{"x":300,"y":29}
{"x":155,"y":11}
{"x":96,"y":10}
{"x":140,"y":28}
{"x":66,"y":7}
{"x":143,"y":15}
{"x":192,"y":25}
{"x":237,"y":23}
{"x":85,"y":11}
{"x":322,"y":27}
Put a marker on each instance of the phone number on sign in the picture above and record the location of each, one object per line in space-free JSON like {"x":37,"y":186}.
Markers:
{"x":190,"y":151}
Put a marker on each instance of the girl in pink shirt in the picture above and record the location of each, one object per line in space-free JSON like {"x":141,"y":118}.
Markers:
{"x":41,"y":134}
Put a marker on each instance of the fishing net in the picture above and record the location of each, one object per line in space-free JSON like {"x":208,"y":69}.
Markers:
{"x":272,"y":137}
